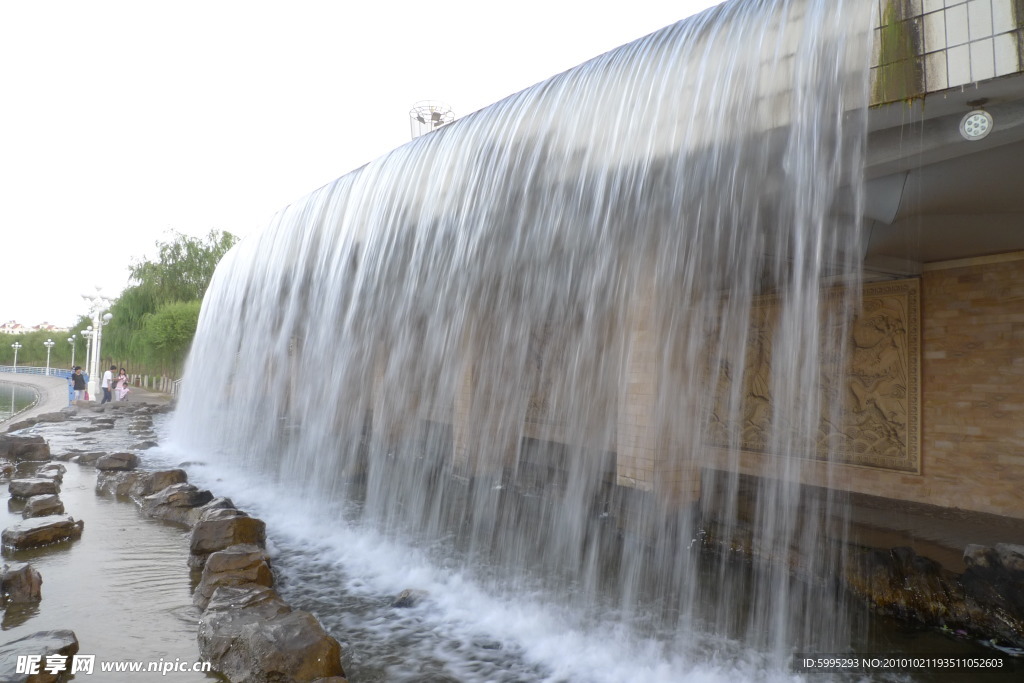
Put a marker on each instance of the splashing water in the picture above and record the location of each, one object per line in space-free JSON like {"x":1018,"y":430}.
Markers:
{"x":508,"y":347}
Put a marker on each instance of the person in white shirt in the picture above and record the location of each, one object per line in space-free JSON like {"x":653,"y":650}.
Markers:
{"x":107,"y":384}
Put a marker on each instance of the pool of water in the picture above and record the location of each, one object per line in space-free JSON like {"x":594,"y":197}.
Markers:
{"x":123,"y":588}
{"x":15,"y":398}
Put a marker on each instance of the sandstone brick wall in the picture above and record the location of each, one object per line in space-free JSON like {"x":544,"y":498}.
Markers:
{"x":972,"y":393}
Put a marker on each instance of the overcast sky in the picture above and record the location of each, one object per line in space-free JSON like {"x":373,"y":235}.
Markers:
{"x":123,"y":120}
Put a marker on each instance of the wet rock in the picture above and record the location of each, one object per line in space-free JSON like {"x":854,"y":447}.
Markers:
{"x":42,"y":506}
{"x":42,"y":531}
{"x":221,"y":528}
{"x":250,"y":635}
{"x":993,"y":587}
{"x":410,"y":597}
{"x":35,"y":486}
{"x":1011,"y":556}
{"x":89,"y":458}
{"x":987,"y":599}
{"x":21,"y":424}
{"x":138,"y":483}
{"x":20,"y":583}
{"x":118,"y":462}
{"x":177,"y":503}
{"x":52,"y":417}
{"x":6,"y":470}
{"x":144,"y":445}
{"x":239,"y":565}
{"x":41,"y":644}
{"x":23,"y":448}
{"x":52,"y":470}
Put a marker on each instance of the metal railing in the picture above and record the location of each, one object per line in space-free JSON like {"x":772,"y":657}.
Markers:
{"x":31,"y":370}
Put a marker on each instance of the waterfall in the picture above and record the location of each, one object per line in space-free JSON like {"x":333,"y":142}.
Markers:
{"x":582,"y":343}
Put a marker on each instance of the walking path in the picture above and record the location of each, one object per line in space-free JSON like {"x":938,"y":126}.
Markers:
{"x":52,"y":393}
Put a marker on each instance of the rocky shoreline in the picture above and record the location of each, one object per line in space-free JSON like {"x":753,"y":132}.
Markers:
{"x":247,"y":631}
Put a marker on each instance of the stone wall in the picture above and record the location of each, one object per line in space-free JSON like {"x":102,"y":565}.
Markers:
{"x":972,"y":366}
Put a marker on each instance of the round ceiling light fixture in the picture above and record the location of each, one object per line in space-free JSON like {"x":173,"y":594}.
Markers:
{"x":976,"y":125}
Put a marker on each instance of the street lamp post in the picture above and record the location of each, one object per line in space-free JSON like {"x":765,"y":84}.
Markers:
{"x":49,"y":344}
{"x":71,"y":340}
{"x":98,"y":304}
{"x":16,"y":346}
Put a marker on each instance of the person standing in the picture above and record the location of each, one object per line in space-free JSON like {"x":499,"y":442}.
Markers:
{"x":78,"y":383}
{"x":121,"y":391}
{"x":108,"y":384}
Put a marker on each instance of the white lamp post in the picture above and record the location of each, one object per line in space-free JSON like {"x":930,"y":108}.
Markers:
{"x":16,"y":346}
{"x":49,"y":344}
{"x":71,"y":340}
{"x":87,"y":333}
{"x":97,"y":305}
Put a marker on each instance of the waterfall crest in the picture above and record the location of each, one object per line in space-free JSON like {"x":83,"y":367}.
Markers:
{"x":522,"y":344}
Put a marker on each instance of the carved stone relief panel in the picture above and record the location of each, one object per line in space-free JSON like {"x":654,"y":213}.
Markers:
{"x":870,"y":412}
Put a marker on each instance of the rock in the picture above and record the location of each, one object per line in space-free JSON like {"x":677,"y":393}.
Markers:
{"x":53,"y":467}
{"x":87,"y":458}
{"x":23,"y":448}
{"x":52,"y":471}
{"x":138,"y":483}
{"x":1011,"y":556}
{"x":21,"y":424}
{"x":118,"y":462}
{"x":222,"y":528}
{"x":42,"y":531}
{"x":144,"y":445}
{"x":20,"y":583}
{"x":6,"y":470}
{"x":239,"y":565}
{"x":410,"y":597}
{"x":41,"y":644}
{"x":26,"y":488}
{"x":994,"y":593}
{"x":52,"y":417}
{"x":177,"y":503}
{"x":43,"y":506}
{"x":987,"y":599}
{"x":251,"y":636}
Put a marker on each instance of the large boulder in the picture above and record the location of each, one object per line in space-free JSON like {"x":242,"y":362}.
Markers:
{"x":23,"y":448}
{"x":250,"y":635}
{"x":33,"y":486}
{"x":138,"y":483}
{"x":42,"y":506}
{"x":41,"y":645}
{"x":177,"y":503}
{"x":42,"y":531}
{"x":20,"y":583}
{"x":222,"y":528}
{"x":117,"y":462}
{"x":239,"y":565}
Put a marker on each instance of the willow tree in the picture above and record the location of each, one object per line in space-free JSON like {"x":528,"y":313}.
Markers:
{"x":155,"y":317}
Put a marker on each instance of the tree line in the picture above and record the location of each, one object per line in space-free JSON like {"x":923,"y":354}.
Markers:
{"x":154,"y":318}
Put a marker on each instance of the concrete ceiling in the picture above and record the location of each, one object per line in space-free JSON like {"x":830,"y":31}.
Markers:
{"x":934,"y":196}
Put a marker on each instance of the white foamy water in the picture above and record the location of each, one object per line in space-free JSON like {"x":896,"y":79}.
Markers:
{"x":489,"y":364}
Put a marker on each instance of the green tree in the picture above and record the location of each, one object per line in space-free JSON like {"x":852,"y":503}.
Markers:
{"x":167,"y":334}
{"x":141,"y":330}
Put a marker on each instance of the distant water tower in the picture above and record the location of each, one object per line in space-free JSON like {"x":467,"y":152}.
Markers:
{"x":429,"y":115}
